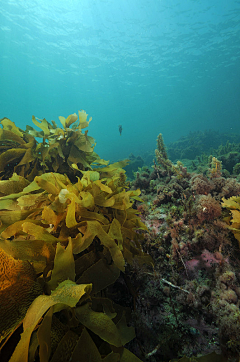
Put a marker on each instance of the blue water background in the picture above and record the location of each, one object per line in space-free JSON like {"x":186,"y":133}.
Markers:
{"x":152,"y":66}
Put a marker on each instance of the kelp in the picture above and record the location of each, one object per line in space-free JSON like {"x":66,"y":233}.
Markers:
{"x":78,"y":238}
{"x":86,"y":211}
{"x":233,"y":205}
{"x":67,"y":150}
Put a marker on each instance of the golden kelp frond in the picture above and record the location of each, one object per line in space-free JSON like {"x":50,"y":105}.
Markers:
{"x":83,"y":123}
{"x":67,"y":293}
{"x":90,"y":225}
{"x":67,"y":122}
{"x":233,"y":205}
{"x":62,"y":148}
{"x":13,"y":186}
{"x":86,"y":211}
{"x":10,"y":126}
{"x":15,"y":150}
{"x":67,"y":150}
{"x":112,"y":171}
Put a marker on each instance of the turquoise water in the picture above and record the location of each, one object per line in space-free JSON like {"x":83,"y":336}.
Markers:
{"x":152,"y":66}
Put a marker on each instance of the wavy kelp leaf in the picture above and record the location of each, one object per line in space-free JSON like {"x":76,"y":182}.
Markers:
{"x":6,"y":135}
{"x":95,"y":229}
{"x":90,"y":215}
{"x":86,"y":350}
{"x":9,"y":217}
{"x":116,"y":233}
{"x":9,"y":125}
{"x":86,"y":200}
{"x":30,"y":200}
{"x":111,"y":245}
{"x":15,"y":228}
{"x":100,"y":162}
{"x":38,"y":232}
{"x":43,"y":124}
{"x":28,"y":157}
{"x":103,"y":201}
{"x":49,"y":216}
{"x":33,"y":346}
{"x":65,"y":348}
{"x":9,"y":156}
{"x":70,"y":218}
{"x":48,"y":183}
{"x":8,"y":205}
{"x":109,"y":274}
{"x":236,"y":233}
{"x":231,"y":203}
{"x":64,"y":268}
{"x":112,"y":357}
{"x":32,"y":132}
{"x":67,"y":293}
{"x":235,"y":216}
{"x":85,"y":143}
{"x":112,"y":170}
{"x":84,"y":261}
{"x":122,"y":200}
{"x":44,"y":336}
{"x":83,"y":123}
{"x":128,"y":356}
{"x":82,"y":242}
{"x":126,"y":333}
{"x":91,"y":179}
{"x":103,"y":187}
{"x":18,"y":289}
{"x":14,"y":185}
{"x":32,"y":187}
{"x":70,"y":120}
{"x":99,"y":323}
{"x":90,"y":175}
{"x":78,"y":156}
{"x":39,"y":256}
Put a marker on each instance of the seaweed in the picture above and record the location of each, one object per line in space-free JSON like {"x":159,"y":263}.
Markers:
{"x":63,"y":150}
{"x":77,"y":238}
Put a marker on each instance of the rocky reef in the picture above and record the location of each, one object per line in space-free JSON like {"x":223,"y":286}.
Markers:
{"x":188,"y":302}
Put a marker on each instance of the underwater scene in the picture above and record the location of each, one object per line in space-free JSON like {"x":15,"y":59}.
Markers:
{"x":120,"y":181}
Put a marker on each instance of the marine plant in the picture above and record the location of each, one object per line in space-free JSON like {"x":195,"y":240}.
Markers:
{"x":233,"y":205}
{"x":63,"y":150}
{"x":69,"y":242}
{"x":64,"y":240}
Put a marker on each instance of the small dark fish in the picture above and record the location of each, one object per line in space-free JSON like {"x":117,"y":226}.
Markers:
{"x":120,"y":129}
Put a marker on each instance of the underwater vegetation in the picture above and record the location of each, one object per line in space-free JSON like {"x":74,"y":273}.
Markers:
{"x":62,"y":150}
{"x":62,"y":244}
{"x":96,"y":267}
